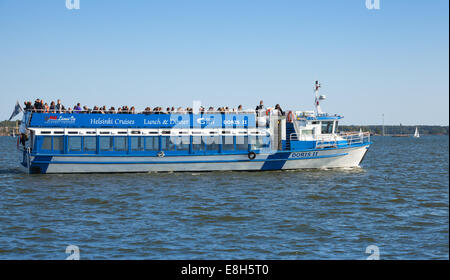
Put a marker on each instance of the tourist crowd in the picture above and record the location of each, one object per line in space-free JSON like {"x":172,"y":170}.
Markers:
{"x":40,"y":106}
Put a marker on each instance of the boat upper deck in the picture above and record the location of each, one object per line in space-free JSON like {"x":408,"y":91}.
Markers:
{"x":153,"y":121}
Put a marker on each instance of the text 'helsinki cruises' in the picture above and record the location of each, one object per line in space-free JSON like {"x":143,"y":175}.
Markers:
{"x":245,"y":140}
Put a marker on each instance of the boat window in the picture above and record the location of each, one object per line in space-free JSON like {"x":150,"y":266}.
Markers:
{"x":90,"y":144}
{"x":152,"y":143}
{"x":74,"y":143}
{"x":137,"y":143}
{"x":120,"y":143}
{"x":106,"y":144}
{"x":259,"y":142}
{"x":327,"y":127}
{"x":198,"y":144}
{"x":227,"y":143}
{"x":242,"y":143}
{"x":58,"y":143}
{"x":167,"y":144}
{"x":212,"y":143}
{"x":183,"y":143}
{"x":307,"y":132}
{"x":46,"y":143}
{"x":336,"y":127}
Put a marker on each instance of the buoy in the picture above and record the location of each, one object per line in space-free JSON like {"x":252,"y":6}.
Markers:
{"x":290,"y":117}
{"x":251,"y":155}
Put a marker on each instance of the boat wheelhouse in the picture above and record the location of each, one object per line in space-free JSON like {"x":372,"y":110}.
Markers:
{"x":264,"y":140}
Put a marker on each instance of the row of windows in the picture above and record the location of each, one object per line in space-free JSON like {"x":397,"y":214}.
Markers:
{"x":150,"y":143}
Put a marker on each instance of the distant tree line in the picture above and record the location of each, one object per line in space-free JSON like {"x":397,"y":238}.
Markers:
{"x":398,"y":129}
{"x":8,"y":124}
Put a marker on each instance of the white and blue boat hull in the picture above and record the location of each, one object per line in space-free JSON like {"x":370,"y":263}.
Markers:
{"x":281,"y":160}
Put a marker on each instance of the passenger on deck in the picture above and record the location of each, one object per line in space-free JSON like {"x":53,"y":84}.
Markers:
{"x":260,"y":108}
{"x":38,"y":106}
{"x":280,"y":111}
{"x":59,"y":107}
{"x":147,"y":111}
{"x":52,"y":107}
{"x":86,"y":110}
{"x":77,"y":108}
{"x":28,"y":106}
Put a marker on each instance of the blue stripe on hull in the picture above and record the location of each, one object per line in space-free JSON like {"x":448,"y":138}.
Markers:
{"x":275,"y":161}
{"x":40,"y":164}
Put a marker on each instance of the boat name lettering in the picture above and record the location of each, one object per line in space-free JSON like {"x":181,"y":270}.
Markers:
{"x":304,"y":154}
{"x":236,"y":122}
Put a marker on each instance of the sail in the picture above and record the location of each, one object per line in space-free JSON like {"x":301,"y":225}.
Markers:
{"x":416,"y":133}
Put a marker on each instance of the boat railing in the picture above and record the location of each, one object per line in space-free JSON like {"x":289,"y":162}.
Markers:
{"x":333,"y":140}
{"x":129,"y":112}
{"x":354,"y":138}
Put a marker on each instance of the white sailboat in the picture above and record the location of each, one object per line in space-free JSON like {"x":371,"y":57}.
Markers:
{"x":416,"y":133}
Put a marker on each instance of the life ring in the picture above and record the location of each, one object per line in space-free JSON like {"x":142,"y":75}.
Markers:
{"x":161,"y":154}
{"x":251,"y":155}
{"x":290,"y":117}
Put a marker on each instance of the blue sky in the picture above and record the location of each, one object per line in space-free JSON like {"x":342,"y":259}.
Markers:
{"x":394,"y":60}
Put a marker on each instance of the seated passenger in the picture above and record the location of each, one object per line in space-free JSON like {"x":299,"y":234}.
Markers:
{"x":77,"y":108}
{"x":52,"y":108}
{"x":147,"y":111}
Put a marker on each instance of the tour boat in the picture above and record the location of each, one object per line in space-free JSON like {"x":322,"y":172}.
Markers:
{"x":245,"y":140}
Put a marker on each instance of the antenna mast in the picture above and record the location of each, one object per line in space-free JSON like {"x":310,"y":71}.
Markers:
{"x":318,"y":98}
